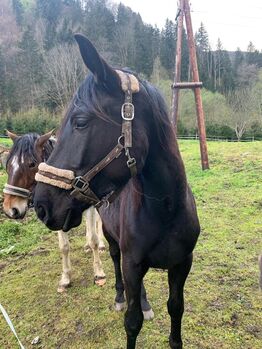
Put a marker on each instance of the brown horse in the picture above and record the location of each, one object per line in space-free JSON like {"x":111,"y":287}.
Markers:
{"x":117,"y":150}
{"x":22,"y":164}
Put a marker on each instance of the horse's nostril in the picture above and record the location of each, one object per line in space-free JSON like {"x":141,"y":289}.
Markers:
{"x":15,"y":212}
{"x":41,"y":212}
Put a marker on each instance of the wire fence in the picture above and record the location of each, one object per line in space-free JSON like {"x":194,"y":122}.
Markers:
{"x":209,"y":138}
{"x":220,"y":138}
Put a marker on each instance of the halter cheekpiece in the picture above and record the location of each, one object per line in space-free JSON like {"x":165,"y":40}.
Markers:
{"x":79,"y":185}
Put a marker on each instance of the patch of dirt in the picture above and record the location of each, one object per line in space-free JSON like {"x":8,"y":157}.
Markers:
{"x":2,"y":266}
{"x":256,"y":331}
{"x":217,"y":304}
{"x":79,"y":326}
{"x":234,"y":320}
{"x":39,"y":251}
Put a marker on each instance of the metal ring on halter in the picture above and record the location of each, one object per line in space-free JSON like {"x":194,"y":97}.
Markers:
{"x":119,"y":140}
{"x":106,"y":203}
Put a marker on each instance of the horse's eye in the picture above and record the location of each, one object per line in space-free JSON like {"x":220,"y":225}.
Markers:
{"x":80,"y":122}
{"x":32,"y":164}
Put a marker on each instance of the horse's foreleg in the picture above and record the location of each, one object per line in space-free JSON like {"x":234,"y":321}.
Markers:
{"x":176,"y":279}
{"x":119,"y":285}
{"x":93,"y":242}
{"x":66,"y":264}
{"x":146,"y":307}
{"x":99,"y":231}
{"x":133,"y":276}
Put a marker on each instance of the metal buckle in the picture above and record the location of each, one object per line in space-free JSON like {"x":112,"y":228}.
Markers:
{"x":128,"y":111}
{"x":131,"y":162}
{"x":80,"y":184}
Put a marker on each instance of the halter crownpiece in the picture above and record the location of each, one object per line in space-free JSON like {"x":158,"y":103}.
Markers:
{"x":65,"y":179}
{"x":124,"y":78}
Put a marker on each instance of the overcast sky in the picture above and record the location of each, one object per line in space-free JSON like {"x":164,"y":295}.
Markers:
{"x":235,"y":22}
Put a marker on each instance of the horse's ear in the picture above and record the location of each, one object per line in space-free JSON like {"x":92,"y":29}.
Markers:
{"x":12,"y":135}
{"x":96,"y":64}
{"x":40,"y":142}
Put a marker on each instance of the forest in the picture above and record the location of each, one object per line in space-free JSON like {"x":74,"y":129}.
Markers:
{"x":40,"y":66}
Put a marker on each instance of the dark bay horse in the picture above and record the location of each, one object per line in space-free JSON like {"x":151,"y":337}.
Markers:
{"x":22,"y":163}
{"x":117,"y":151}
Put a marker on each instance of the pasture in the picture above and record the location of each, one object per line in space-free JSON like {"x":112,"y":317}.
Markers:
{"x":222,"y":301}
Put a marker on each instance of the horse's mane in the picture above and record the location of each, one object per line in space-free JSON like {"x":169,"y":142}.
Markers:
{"x":24,"y":147}
{"x":164,"y":128}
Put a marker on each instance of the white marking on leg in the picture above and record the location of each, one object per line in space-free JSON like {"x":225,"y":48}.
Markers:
{"x":66,"y":263}
{"x":148,"y":315}
{"x":99,"y":232}
{"x":120,"y":306}
{"x":93,"y":242}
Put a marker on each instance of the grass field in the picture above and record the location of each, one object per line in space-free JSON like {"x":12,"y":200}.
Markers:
{"x":222,"y":301}
{"x":5,"y":141}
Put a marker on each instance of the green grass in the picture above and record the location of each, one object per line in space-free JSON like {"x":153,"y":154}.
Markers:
{"x":6,"y":142}
{"x":222,"y":301}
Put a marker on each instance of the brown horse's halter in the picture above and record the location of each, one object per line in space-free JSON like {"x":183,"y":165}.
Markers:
{"x":17,"y":191}
{"x":66,"y":179}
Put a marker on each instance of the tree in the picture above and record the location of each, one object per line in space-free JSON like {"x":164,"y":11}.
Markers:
{"x":18,"y":10}
{"x":99,"y":25}
{"x":50,"y":11}
{"x":241,"y":103}
{"x":2,"y":83}
{"x":203,"y":55}
{"x":246,"y":75}
{"x":29,"y":61}
{"x":63,"y":70}
{"x":238,"y":60}
{"x":168,"y":47}
{"x":124,"y":37}
{"x":253,"y":57}
{"x":223,"y":75}
{"x":143,"y":48}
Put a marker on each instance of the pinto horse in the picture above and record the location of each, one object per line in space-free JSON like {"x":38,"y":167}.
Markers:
{"x":22,"y":163}
{"x":117,"y":150}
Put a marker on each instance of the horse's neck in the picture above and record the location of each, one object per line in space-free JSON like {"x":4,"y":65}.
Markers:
{"x":164,"y":175}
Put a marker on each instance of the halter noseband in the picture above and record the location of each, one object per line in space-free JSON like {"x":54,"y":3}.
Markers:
{"x":66,"y":179}
{"x":17,"y":191}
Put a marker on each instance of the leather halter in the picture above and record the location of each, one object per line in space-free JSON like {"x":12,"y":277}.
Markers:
{"x":80,"y":184}
{"x":17,"y":191}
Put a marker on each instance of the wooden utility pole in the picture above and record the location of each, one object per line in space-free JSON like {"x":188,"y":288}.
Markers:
{"x":180,"y":18}
{"x":184,"y":10}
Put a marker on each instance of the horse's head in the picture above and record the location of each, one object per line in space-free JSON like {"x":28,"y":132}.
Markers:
{"x":94,"y":140}
{"x":21,"y":166}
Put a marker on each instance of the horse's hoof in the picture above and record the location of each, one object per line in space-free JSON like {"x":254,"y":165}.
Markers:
{"x":174,"y":345}
{"x":100,"y":280}
{"x":87,"y":249}
{"x":148,"y":315}
{"x":101,"y":249}
{"x":62,"y":289}
{"x":120,"y":306}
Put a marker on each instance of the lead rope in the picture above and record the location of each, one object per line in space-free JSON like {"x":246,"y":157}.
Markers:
{"x":10,"y":324}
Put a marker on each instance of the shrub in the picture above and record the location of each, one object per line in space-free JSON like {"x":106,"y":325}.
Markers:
{"x":33,"y":120}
